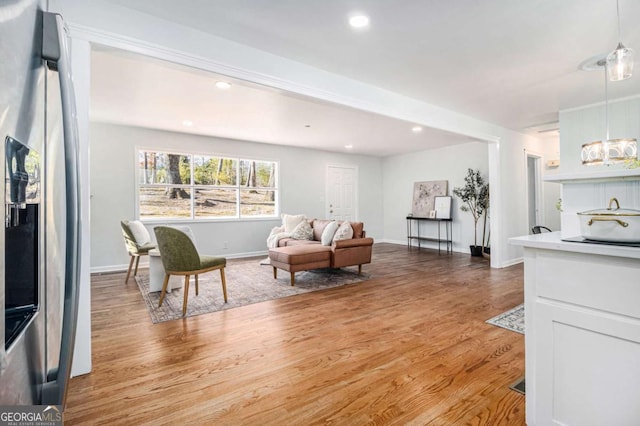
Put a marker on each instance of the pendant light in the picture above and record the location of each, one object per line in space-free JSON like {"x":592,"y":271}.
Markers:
{"x":620,"y":61}
{"x":608,"y":151}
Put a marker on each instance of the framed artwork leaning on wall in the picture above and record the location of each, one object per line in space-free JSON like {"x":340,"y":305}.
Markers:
{"x":424,"y":194}
{"x":442,"y":205}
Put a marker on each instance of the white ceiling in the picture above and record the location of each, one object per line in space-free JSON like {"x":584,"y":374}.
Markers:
{"x":512,"y":63}
{"x":150,"y":93}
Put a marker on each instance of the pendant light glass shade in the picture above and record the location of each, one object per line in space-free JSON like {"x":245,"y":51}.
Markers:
{"x":620,"y":63}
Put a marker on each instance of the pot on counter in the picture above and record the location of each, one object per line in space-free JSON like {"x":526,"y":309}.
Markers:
{"x":611,"y":224}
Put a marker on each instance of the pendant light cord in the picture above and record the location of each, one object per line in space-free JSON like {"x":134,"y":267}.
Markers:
{"x":618,"y":12}
{"x":606,"y":103}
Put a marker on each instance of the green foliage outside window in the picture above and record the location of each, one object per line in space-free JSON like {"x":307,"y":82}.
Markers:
{"x":209,"y":185}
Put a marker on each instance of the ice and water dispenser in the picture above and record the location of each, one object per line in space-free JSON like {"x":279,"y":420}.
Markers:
{"x":22,"y":229}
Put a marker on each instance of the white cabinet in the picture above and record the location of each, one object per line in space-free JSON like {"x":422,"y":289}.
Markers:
{"x":588,"y":367}
{"x":582,"y":311}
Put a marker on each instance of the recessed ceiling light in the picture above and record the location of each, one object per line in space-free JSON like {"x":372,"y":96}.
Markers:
{"x":416,"y":129}
{"x":187,"y":123}
{"x":223,"y":85}
{"x":348,"y":146}
{"x":359,"y":21}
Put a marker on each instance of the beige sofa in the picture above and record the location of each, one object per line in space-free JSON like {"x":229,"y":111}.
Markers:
{"x":300,"y":255}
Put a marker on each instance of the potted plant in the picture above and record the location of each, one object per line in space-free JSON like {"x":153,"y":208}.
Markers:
{"x":475,"y":196}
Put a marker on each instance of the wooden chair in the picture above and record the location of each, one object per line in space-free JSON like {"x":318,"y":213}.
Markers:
{"x":180,"y":257}
{"x":138,"y":243}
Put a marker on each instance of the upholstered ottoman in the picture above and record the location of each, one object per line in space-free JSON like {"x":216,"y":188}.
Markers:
{"x":299,"y":258}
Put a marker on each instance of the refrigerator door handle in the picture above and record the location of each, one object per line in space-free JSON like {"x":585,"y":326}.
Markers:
{"x":55,"y":50}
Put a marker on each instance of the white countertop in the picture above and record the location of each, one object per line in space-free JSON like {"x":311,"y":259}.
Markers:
{"x":553,"y":241}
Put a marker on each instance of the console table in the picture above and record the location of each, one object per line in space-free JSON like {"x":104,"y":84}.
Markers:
{"x":439,"y":239}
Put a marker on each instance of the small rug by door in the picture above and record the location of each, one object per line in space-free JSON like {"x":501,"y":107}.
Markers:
{"x":247,"y":282}
{"x":512,"y":320}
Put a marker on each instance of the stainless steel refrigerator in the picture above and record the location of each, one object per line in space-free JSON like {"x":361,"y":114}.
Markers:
{"x":39,"y":267}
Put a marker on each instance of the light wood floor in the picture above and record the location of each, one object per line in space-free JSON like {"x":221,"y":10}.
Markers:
{"x":409,"y":346}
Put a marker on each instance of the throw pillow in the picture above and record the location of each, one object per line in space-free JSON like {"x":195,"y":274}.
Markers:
{"x":344,"y":232}
{"x":303,"y":231}
{"x":328,"y":233}
{"x":291,"y":221}
{"x":140,"y":233}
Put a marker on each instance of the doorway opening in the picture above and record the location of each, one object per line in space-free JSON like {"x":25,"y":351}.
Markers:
{"x":534,"y":189}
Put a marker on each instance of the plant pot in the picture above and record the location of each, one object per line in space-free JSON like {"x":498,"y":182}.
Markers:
{"x":476,"y":250}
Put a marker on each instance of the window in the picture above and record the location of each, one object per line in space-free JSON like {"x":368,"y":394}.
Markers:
{"x":200,"y":186}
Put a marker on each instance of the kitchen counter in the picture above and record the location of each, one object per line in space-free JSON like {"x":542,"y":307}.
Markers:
{"x":582,"y":340}
{"x":553,"y":241}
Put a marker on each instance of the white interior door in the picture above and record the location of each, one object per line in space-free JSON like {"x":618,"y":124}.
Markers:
{"x":342,"y":192}
{"x":534,"y":190}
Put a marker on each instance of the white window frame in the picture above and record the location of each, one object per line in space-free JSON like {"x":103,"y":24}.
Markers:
{"x":192,"y":186}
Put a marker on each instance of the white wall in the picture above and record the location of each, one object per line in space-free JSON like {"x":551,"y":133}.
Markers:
{"x":385,"y":188}
{"x":302,"y":189}
{"x":512,"y":208}
{"x":450,"y":164}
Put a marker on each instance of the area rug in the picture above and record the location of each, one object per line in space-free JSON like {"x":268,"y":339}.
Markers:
{"x":247,"y":282}
{"x":512,"y":320}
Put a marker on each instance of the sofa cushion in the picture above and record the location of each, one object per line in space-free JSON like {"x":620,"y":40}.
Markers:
{"x":319,"y":224}
{"x":358,"y":229}
{"x":291,"y":242}
{"x":303,"y":231}
{"x":328,"y":233}
{"x":297,"y":255}
{"x":344,"y":232}
{"x":291,"y":221}
{"x":318,"y":227}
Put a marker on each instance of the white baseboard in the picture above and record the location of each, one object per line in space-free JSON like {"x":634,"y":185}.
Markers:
{"x":247,"y":254}
{"x":463,"y":250}
{"x":144,"y":262}
{"x":512,"y":262}
{"x":383,"y":240}
{"x":426,"y":244}
{"x":115,"y":268}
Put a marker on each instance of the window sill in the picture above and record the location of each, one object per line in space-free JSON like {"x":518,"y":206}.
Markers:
{"x":220,"y":220}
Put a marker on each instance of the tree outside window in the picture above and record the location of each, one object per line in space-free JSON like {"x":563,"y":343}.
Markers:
{"x":194,"y":186}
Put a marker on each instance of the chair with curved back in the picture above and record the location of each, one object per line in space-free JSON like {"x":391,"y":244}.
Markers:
{"x":539,"y":229}
{"x":180,"y":257}
{"x":138,"y":243}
